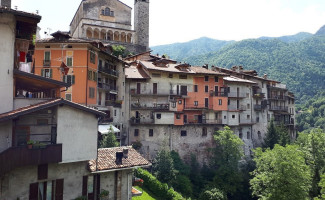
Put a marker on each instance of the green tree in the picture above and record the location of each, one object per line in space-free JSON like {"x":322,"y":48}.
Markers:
{"x":281,"y":174}
{"x":227,"y":153}
{"x":283,"y":135}
{"x":164,"y":167}
{"x":271,"y":136}
{"x":118,"y":50}
{"x":109,"y":140}
{"x":313,"y":146}
{"x":179,"y":165}
{"x":212,"y":194}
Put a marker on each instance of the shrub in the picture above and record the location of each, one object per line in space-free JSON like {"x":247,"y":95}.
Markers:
{"x":156,"y":187}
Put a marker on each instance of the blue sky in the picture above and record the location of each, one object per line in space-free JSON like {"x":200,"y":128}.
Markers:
{"x":183,"y":20}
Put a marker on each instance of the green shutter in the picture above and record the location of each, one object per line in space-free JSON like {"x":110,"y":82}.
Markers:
{"x":50,"y":73}
{"x":73,"y":79}
{"x":43,"y":72}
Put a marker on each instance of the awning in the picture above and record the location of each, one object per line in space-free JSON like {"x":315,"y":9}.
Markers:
{"x":103,"y":129}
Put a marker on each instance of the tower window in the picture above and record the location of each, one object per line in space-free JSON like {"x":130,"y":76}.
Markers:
{"x":107,"y":11}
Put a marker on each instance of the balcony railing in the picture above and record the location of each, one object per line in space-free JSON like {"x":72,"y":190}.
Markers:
{"x":257,"y":107}
{"x":276,"y":97}
{"x":137,"y":106}
{"x":203,"y":121}
{"x":106,"y":86}
{"x":108,"y":71}
{"x":22,"y":156}
{"x":116,"y":104}
{"x":198,"y":106}
{"x":46,"y":63}
{"x":236,"y":95}
{"x":218,"y":94}
{"x":259,"y":95}
{"x":235,"y":108}
{"x":134,"y":92}
{"x":279,"y":108}
{"x":141,"y":121}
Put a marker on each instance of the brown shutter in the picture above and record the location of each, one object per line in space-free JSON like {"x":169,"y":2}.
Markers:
{"x":42,"y":171}
{"x":84,"y":185}
{"x":33,"y":191}
{"x":59,"y":189}
{"x":98,"y":186}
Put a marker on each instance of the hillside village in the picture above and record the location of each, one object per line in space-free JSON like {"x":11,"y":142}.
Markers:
{"x":62,"y":94}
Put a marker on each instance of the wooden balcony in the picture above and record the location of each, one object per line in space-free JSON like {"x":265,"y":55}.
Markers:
{"x":21,"y":156}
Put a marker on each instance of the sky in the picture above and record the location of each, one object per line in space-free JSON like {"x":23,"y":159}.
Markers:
{"x":174,"y":21}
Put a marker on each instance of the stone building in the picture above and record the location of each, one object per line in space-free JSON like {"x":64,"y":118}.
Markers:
{"x":181,"y":106}
{"x":110,"y":22}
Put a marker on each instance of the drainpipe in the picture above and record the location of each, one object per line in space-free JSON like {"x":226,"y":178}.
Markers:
{"x":87,"y":77}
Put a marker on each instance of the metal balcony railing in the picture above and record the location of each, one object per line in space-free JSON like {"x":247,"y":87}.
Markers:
{"x":137,"y":106}
{"x":108,"y":71}
{"x":141,"y":121}
{"x":218,"y":94}
{"x":46,"y":63}
{"x":236,"y":95}
{"x":198,"y":106}
{"x":279,"y":108}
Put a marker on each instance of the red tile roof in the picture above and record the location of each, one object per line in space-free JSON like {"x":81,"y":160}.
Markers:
{"x":107,"y":159}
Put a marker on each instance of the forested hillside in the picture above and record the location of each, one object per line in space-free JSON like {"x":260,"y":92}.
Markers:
{"x":199,"y":46}
{"x":297,"y":61}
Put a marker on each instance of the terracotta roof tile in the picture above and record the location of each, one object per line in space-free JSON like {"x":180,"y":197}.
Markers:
{"x":134,"y":72}
{"x":202,"y":70}
{"x":107,"y":159}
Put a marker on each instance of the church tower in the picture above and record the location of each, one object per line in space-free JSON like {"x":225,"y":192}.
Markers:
{"x":141,"y":22}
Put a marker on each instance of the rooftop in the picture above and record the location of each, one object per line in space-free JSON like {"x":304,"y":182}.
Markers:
{"x":107,"y":160}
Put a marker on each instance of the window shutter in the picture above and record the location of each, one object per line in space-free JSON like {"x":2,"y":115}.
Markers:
{"x":33,"y":191}
{"x":65,"y":78}
{"x":59,"y":189}
{"x":43,"y":72}
{"x":73,"y":80}
{"x":42,"y":171}
{"x":50,"y":72}
{"x":84,"y":185}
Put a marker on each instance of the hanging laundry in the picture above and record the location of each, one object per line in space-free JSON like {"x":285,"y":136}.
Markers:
{"x":22,"y":56}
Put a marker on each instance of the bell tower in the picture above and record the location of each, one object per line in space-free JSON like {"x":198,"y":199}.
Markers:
{"x":141,"y":22}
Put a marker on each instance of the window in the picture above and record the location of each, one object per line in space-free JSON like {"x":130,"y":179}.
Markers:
{"x":47,"y":56}
{"x":94,"y":76}
{"x":196,"y":88}
{"x":183,"y":133}
{"x":112,"y":13}
{"x":248,"y":135}
{"x":257,"y":119}
{"x":216,"y":115}
{"x":248,"y":116}
{"x":259,"y":135}
{"x":178,"y":116}
{"x":240,"y":135}
{"x":170,"y":75}
{"x":47,"y":73}
{"x":136,"y":132}
{"x":206,"y":88}
{"x":228,"y":102}
{"x":46,"y":189}
{"x":182,"y":76}
{"x":69,"y":79}
{"x":248,"y":106}
{"x":216,"y":79}
{"x":91,"y":92}
{"x":179,"y":101}
{"x":93,"y":57}
{"x":225,"y":117}
{"x":206,"y":78}
{"x":68,"y":97}
{"x":158,"y":116}
{"x":115,"y":112}
{"x":69,"y":58}
{"x":196,"y":103}
{"x":173,"y":104}
{"x":220,"y":101}
{"x":204,"y":132}
{"x":107,"y":11}
{"x":156,"y":75}
{"x":150,"y":132}
{"x":90,"y":75}
{"x":233,"y":116}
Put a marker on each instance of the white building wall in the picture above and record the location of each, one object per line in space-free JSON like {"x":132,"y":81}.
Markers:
{"x":7,"y":44}
{"x":79,"y":142}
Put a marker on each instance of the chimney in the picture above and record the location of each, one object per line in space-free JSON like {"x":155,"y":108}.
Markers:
{"x":125,"y":153}
{"x":5,"y":3}
{"x":265,"y":76}
{"x":241,"y":69}
{"x":206,"y":66}
{"x":119,"y":156}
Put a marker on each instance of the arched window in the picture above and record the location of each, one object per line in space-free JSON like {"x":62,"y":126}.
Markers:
{"x":107,"y":11}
